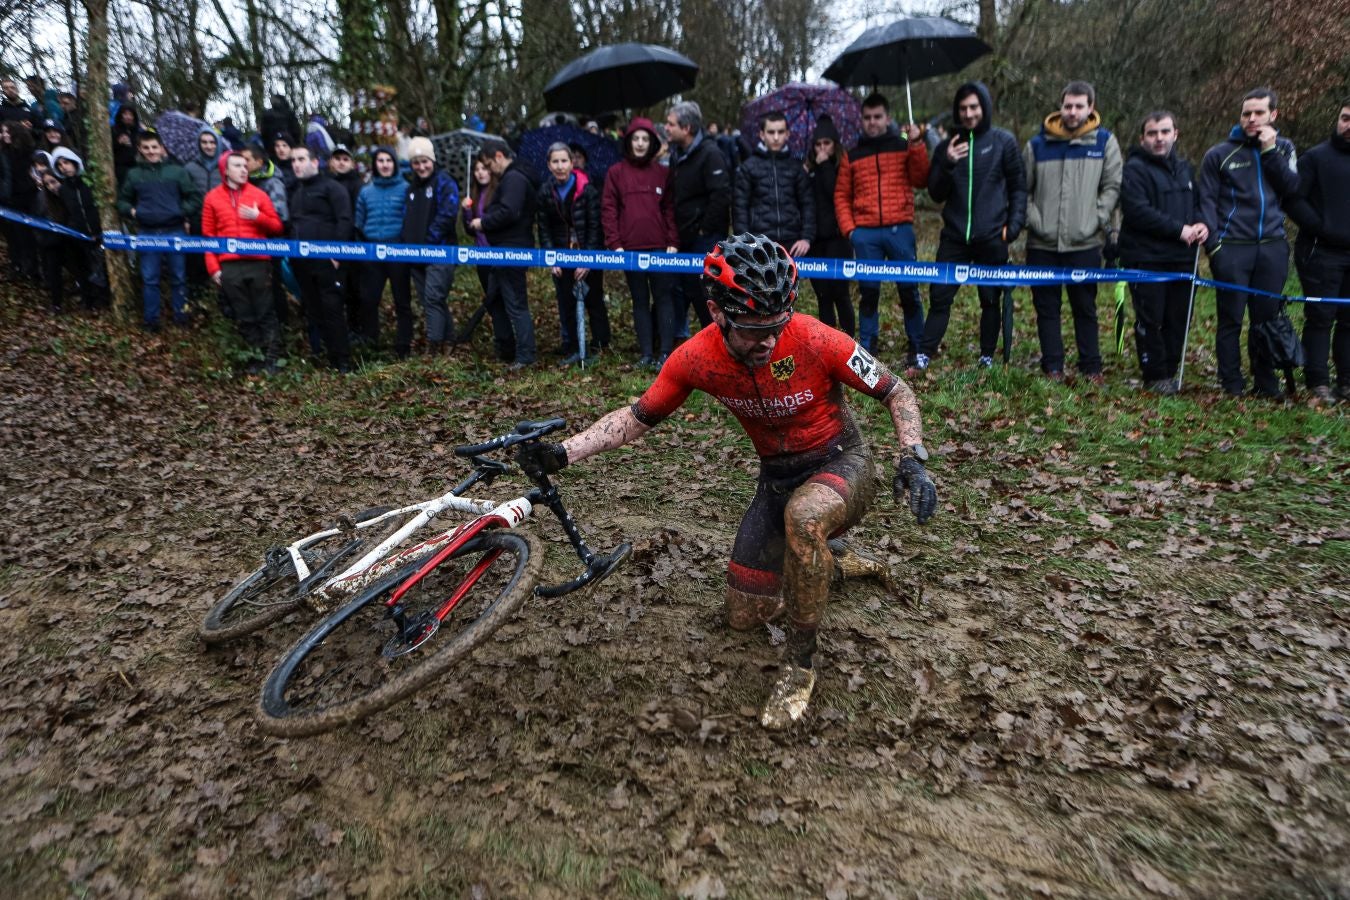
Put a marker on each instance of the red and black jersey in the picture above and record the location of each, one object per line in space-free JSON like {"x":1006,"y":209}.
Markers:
{"x":793,"y":405}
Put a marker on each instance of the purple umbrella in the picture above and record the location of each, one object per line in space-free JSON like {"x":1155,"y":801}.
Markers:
{"x":601,"y":152}
{"x":178,"y":132}
{"x":803,"y":104}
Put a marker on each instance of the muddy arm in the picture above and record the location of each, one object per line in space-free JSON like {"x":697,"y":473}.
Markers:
{"x":905,"y":416}
{"x":614,"y":430}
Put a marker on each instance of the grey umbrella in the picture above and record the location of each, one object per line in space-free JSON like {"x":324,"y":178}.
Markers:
{"x":624,"y":76}
{"x":905,"y":50}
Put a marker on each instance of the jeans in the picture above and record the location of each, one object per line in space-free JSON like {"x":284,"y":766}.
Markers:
{"x":1325,"y":273}
{"x":993,"y":252}
{"x":512,"y":327}
{"x":1160,"y":321}
{"x":152,"y":265}
{"x":247,"y":286}
{"x":889,"y":242}
{"x":653,"y":309}
{"x":1082,"y":302}
{"x":596,"y":313}
{"x":433,"y":287}
{"x":1263,"y":266}
{"x":832,"y":294}
{"x":689,"y":288}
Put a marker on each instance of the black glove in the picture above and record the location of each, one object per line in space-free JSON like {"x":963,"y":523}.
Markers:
{"x":910,"y":477}
{"x":543,"y":458}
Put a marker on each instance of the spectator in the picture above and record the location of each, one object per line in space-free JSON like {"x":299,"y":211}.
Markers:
{"x":67,"y":200}
{"x":320,"y":211}
{"x":1073,"y":170}
{"x":569,"y":218}
{"x":74,"y":121}
{"x":428,"y":218}
{"x":231,"y":133}
{"x":44,"y":105}
{"x":1159,"y":227}
{"x":280,"y":119}
{"x":1244,"y":182}
{"x":342,"y":169}
{"x":1322,"y":255}
{"x":508,"y":222}
{"x":281,"y":158}
{"x":17,"y":141}
{"x":12,"y":107}
{"x":700,"y":181}
{"x":822,"y":166}
{"x":204,"y":168}
{"x":481,"y":185}
{"x":121,"y":95}
{"x":51,"y":136}
{"x":874,"y":201}
{"x":379,"y":218}
{"x":977,"y":173}
{"x":773,"y":192}
{"x":161,"y":199}
{"x":262,"y":174}
{"x":637,"y":212}
{"x":237,"y":209}
{"x":125,"y":131}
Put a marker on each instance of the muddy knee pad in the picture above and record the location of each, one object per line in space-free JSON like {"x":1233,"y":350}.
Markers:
{"x":753,"y":597}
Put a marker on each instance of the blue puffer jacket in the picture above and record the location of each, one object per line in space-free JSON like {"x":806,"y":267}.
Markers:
{"x":379,"y":208}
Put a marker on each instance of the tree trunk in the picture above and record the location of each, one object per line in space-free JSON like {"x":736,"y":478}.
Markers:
{"x":72,"y":38}
{"x":101,"y":152}
{"x":987,"y":29}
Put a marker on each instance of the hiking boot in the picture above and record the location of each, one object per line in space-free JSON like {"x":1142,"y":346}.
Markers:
{"x":787,"y":701}
{"x":1163,"y":387}
{"x":850,"y":562}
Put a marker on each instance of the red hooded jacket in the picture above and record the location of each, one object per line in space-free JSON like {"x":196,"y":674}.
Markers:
{"x":877,"y":180}
{"x":637,"y":210}
{"x":220,"y":217}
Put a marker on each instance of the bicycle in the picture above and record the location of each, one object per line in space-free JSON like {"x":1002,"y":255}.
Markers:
{"x":369,"y":654}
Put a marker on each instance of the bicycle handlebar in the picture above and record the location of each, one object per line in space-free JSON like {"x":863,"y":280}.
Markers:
{"x":525,"y":431}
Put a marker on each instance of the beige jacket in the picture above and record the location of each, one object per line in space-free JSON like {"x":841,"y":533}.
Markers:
{"x":1073,"y":183}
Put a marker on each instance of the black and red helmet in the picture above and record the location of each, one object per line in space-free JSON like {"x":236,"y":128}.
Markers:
{"x":748,"y":274}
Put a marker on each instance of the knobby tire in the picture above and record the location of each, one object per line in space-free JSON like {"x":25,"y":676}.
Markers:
{"x":265,"y":597}
{"x":361,"y":629}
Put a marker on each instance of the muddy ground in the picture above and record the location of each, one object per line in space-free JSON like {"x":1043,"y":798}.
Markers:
{"x":1046,"y":706}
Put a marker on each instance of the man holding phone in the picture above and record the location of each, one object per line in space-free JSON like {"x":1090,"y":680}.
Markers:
{"x":977,"y":172}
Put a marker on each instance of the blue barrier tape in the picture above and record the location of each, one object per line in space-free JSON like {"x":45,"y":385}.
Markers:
{"x":44,"y":224}
{"x":673,"y":263}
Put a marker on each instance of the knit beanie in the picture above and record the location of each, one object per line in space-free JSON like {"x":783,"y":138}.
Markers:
{"x":825,"y":130}
{"x":420,"y":146}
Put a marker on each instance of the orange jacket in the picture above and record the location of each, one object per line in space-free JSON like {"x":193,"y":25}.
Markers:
{"x":220,"y":218}
{"x":877,"y":180}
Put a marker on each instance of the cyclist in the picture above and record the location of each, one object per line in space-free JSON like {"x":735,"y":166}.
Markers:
{"x":782,"y":376}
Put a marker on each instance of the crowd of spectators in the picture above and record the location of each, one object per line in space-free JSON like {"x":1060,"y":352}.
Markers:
{"x":681,"y":186}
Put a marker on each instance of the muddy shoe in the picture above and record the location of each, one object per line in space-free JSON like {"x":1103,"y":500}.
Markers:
{"x":849,"y":562}
{"x":787,"y":702}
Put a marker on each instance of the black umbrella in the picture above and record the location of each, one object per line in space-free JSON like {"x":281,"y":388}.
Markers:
{"x":905,"y":50}
{"x":624,"y":76}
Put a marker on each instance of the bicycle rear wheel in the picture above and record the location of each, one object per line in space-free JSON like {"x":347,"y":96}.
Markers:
{"x":365,"y":657}
{"x":271,"y":592}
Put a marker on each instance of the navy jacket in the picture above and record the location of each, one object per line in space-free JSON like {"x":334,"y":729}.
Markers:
{"x":1323,"y":207}
{"x":988,"y":190}
{"x":163,"y":195}
{"x":774,"y":198}
{"x":508,"y":220}
{"x":1243,"y":190}
{"x":1157,"y":199}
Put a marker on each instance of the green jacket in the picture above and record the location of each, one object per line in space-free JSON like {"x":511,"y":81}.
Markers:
{"x":1073,"y":183}
{"x":163,"y":195}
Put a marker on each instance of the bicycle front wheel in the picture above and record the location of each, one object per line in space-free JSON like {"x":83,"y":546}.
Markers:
{"x":368,"y":656}
{"x":272,"y":592}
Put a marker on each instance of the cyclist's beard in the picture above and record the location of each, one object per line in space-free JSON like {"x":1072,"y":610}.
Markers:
{"x":745,"y":357}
